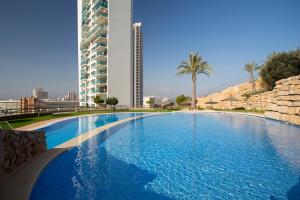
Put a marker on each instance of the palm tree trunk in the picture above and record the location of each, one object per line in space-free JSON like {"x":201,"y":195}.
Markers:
{"x":253,"y":83}
{"x":193,"y":92}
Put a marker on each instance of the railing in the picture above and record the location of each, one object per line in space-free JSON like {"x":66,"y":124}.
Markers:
{"x":99,"y":45}
{"x":99,"y":63}
{"x":17,"y":113}
{"x":90,"y":34}
{"x":99,"y":82}
{"x":27,"y":111}
{"x":99,"y":72}
{"x":5,"y":125}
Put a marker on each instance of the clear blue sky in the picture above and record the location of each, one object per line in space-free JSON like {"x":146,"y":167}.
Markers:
{"x":38,"y":42}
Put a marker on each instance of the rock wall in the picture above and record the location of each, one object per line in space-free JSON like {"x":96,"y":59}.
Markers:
{"x":238,"y":92}
{"x":285,"y":102}
{"x":282,"y":103}
{"x":258,"y":101}
{"x":17,"y":147}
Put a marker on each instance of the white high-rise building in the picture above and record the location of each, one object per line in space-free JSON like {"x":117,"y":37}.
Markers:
{"x":137,"y":65}
{"x":105,"y":50}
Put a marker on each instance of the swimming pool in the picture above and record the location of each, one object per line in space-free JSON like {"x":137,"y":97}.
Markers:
{"x":63,"y":131}
{"x":180,"y":156}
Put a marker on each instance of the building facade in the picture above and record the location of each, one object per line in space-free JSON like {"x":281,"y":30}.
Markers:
{"x":137,"y":65}
{"x":39,"y":93}
{"x":105,"y":50}
{"x":71,"y":96}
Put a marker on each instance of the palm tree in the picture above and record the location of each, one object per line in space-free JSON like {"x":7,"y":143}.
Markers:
{"x":251,"y":68}
{"x":194,"y":66}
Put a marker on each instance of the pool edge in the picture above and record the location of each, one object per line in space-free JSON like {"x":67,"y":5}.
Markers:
{"x":19,"y":184}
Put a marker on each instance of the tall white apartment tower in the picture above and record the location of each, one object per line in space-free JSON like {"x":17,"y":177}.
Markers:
{"x":137,"y":65}
{"x":105,"y":50}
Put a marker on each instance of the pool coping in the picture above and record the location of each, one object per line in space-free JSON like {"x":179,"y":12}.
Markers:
{"x":19,"y":184}
{"x":42,"y":124}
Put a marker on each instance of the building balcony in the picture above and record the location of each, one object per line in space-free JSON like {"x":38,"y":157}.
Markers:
{"x":100,"y":56}
{"x":101,"y":38}
{"x":99,"y":90}
{"x":85,"y":27}
{"x":97,"y":31}
{"x":85,"y":61}
{"x":101,"y":16}
{"x":99,"y":65}
{"x":84,"y":76}
{"x":99,"y":73}
{"x":100,"y":4}
{"x":99,"y":82}
{"x":100,"y":46}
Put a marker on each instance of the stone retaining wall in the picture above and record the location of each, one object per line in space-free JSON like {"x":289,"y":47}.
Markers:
{"x":282,"y":103}
{"x":17,"y":147}
{"x":258,"y":101}
{"x":285,"y":102}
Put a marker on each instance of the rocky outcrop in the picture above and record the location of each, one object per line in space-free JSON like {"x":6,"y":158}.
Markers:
{"x":238,"y":92}
{"x":282,"y":103}
{"x":17,"y":147}
{"x":285,"y":102}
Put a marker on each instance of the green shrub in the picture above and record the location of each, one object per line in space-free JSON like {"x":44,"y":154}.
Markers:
{"x":239,"y":108}
{"x":280,"y":66}
{"x":112,"y":101}
{"x":181,"y":99}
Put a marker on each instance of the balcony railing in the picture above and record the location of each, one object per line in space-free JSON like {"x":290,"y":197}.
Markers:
{"x":100,"y":4}
{"x":99,"y":82}
{"x":93,"y":33}
{"x":99,"y":64}
{"x":99,"y":72}
{"x":85,"y":62}
{"x":100,"y":54}
{"x":84,"y":76}
{"x":99,"y":90}
{"x":98,"y":45}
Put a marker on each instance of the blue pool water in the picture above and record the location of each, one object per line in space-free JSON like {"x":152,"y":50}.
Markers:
{"x":180,"y":156}
{"x":63,"y":131}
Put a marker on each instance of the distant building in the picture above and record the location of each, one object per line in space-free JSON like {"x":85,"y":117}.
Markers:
{"x":71,"y":96}
{"x":35,"y":103}
{"x":137,"y":65}
{"x":158,"y":101}
{"x":48,"y":103}
{"x":29,"y":103}
{"x":166,"y":100}
{"x":146,"y":100}
{"x":9,"y":104}
{"x":39,"y":93}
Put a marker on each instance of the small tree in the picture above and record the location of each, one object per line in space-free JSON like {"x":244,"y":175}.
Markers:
{"x":98,"y":100}
{"x":112,"y":101}
{"x":251,"y":68}
{"x":150,"y":102}
{"x":181,"y":98}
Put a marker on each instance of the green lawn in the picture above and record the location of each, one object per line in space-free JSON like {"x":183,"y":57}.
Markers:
{"x":16,"y":123}
{"x":243,"y":111}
